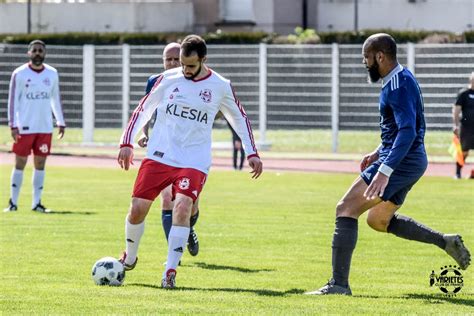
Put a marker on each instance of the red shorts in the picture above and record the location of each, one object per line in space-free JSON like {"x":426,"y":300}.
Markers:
{"x":154,"y":176}
{"x":39,"y":143}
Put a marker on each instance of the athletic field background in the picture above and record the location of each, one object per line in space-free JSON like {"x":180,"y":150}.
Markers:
{"x":262,"y":244}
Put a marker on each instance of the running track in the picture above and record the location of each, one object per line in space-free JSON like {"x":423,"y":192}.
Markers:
{"x":270,"y":164}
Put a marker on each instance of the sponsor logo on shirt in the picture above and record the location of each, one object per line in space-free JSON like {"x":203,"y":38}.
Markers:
{"x":206,"y":95}
{"x":158,"y":154}
{"x":186,"y":112}
{"x":38,"y":95}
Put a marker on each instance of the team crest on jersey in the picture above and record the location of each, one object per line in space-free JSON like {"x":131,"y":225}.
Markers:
{"x":206,"y":95}
{"x":176,"y":90}
{"x":47,"y":82}
{"x":184,"y":183}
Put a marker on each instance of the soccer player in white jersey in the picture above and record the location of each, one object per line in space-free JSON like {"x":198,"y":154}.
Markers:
{"x":170,"y":61}
{"x":187,"y":100}
{"x":33,"y":98}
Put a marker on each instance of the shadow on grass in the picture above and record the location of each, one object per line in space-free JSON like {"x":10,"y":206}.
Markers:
{"x":207,"y":266}
{"x":71,"y":213}
{"x":433,"y":299}
{"x":230,"y":290}
{"x":428,"y":298}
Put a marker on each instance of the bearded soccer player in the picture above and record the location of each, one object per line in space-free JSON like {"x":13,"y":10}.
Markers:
{"x":187,"y":100}
{"x":170,"y":61}
{"x":33,"y":98}
{"x":389,"y":172}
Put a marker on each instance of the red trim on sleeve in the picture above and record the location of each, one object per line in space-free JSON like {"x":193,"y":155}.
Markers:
{"x":136,"y":113}
{"x":244,"y":115}
{"x":126,"y":145}
{"x":14,"y":128}
{"x":12,"y":101}
{"x":253,"y":155}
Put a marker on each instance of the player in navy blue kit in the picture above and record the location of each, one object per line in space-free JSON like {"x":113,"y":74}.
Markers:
{"x":388,"y":173}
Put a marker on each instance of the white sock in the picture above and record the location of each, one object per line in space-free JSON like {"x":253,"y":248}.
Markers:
{"x":133,"y":234}
{"x":16,"y":181}
{"x":176,"y":245}
{"x":38,"y":182}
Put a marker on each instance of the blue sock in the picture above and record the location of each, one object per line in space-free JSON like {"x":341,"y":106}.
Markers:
{"x":167,"y":221}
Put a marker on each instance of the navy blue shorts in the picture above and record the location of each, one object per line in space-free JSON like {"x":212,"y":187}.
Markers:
{"x":408,"y":172}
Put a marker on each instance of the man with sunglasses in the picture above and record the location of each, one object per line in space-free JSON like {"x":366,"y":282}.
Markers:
{"x":33,"y":98}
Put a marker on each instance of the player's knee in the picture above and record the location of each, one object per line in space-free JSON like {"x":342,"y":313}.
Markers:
{"x":167,"y":199}
{"x":377,"y":223}
{"x":343,"y":209}
{"x":137,"y":212}
{"x":182,"y":210}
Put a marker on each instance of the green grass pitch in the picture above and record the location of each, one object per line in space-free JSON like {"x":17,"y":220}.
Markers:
{"x":263,"y":243}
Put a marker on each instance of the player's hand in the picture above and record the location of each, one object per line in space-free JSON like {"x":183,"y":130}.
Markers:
{"x":368,"y":160}
{"x":15,"y":135}
{"x":376,"y":187}
{"x":143,"y":141}
{"x":61,"y":132}
{"x":125,"y":157}
{"x":456,"y":130}
{"x":257,"y":167}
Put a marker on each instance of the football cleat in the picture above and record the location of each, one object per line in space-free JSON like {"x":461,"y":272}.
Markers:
{"x":127,"y":267}
{"x":169,"y":281}
{"x":11,"y":207}
{"x":41,"y":208}
{"x":456,"y":249}
{"x":331,"y":288}
{"x":193,"y":243}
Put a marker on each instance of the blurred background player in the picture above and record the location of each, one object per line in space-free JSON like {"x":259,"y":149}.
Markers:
{"x":464,"y":123}
{"x":187,"y":100}
{"x":170,"y":61}
{"x":388,"y":173}
{"x":33,"y":98}
{"x":237,"y":149}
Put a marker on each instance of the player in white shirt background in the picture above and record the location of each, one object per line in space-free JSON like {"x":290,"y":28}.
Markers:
{"x":170,"y":61}
{"x":187,"y":100}
{"x":33,"y":97}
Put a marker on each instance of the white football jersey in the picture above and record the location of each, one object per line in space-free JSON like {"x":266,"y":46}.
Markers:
{"x":186,"y":110}
{"x":34,"y":96}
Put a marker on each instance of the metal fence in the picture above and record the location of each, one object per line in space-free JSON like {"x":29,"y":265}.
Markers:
{"x":281,"y":86}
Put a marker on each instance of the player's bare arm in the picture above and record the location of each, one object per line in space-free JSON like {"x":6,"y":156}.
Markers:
{"x":125,"y":157}
{"x":257,"y":167}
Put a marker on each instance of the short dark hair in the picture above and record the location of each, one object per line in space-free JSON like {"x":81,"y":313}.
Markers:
{"x":384,"y":43}
{"x":36,"y":41}
{"x":194,"y":43}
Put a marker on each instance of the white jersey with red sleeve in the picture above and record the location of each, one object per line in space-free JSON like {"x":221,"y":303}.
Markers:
{"x":186,"y":110}
{"x":33,"y":98}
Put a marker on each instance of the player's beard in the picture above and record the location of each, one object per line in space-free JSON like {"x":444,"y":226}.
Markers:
{"x":37,"y":60}
{"x":195,"y":74}
{"x":374,"y":74}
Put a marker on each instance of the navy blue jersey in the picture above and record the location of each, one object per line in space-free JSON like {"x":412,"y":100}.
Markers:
{"x":150,"y":83}
{"x":402,"y":121}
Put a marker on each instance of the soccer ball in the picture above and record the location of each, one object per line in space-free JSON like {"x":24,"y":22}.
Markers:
{"x":108,"y":271}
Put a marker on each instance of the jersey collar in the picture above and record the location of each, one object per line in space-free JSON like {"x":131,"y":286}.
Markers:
{"x":36,"y":70}
{"x":392,"y":73}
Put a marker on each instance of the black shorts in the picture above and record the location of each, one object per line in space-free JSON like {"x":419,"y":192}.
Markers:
{"x":467,"y":137}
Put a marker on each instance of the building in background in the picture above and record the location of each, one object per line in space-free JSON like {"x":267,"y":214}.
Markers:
{"x":201,"y":16}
